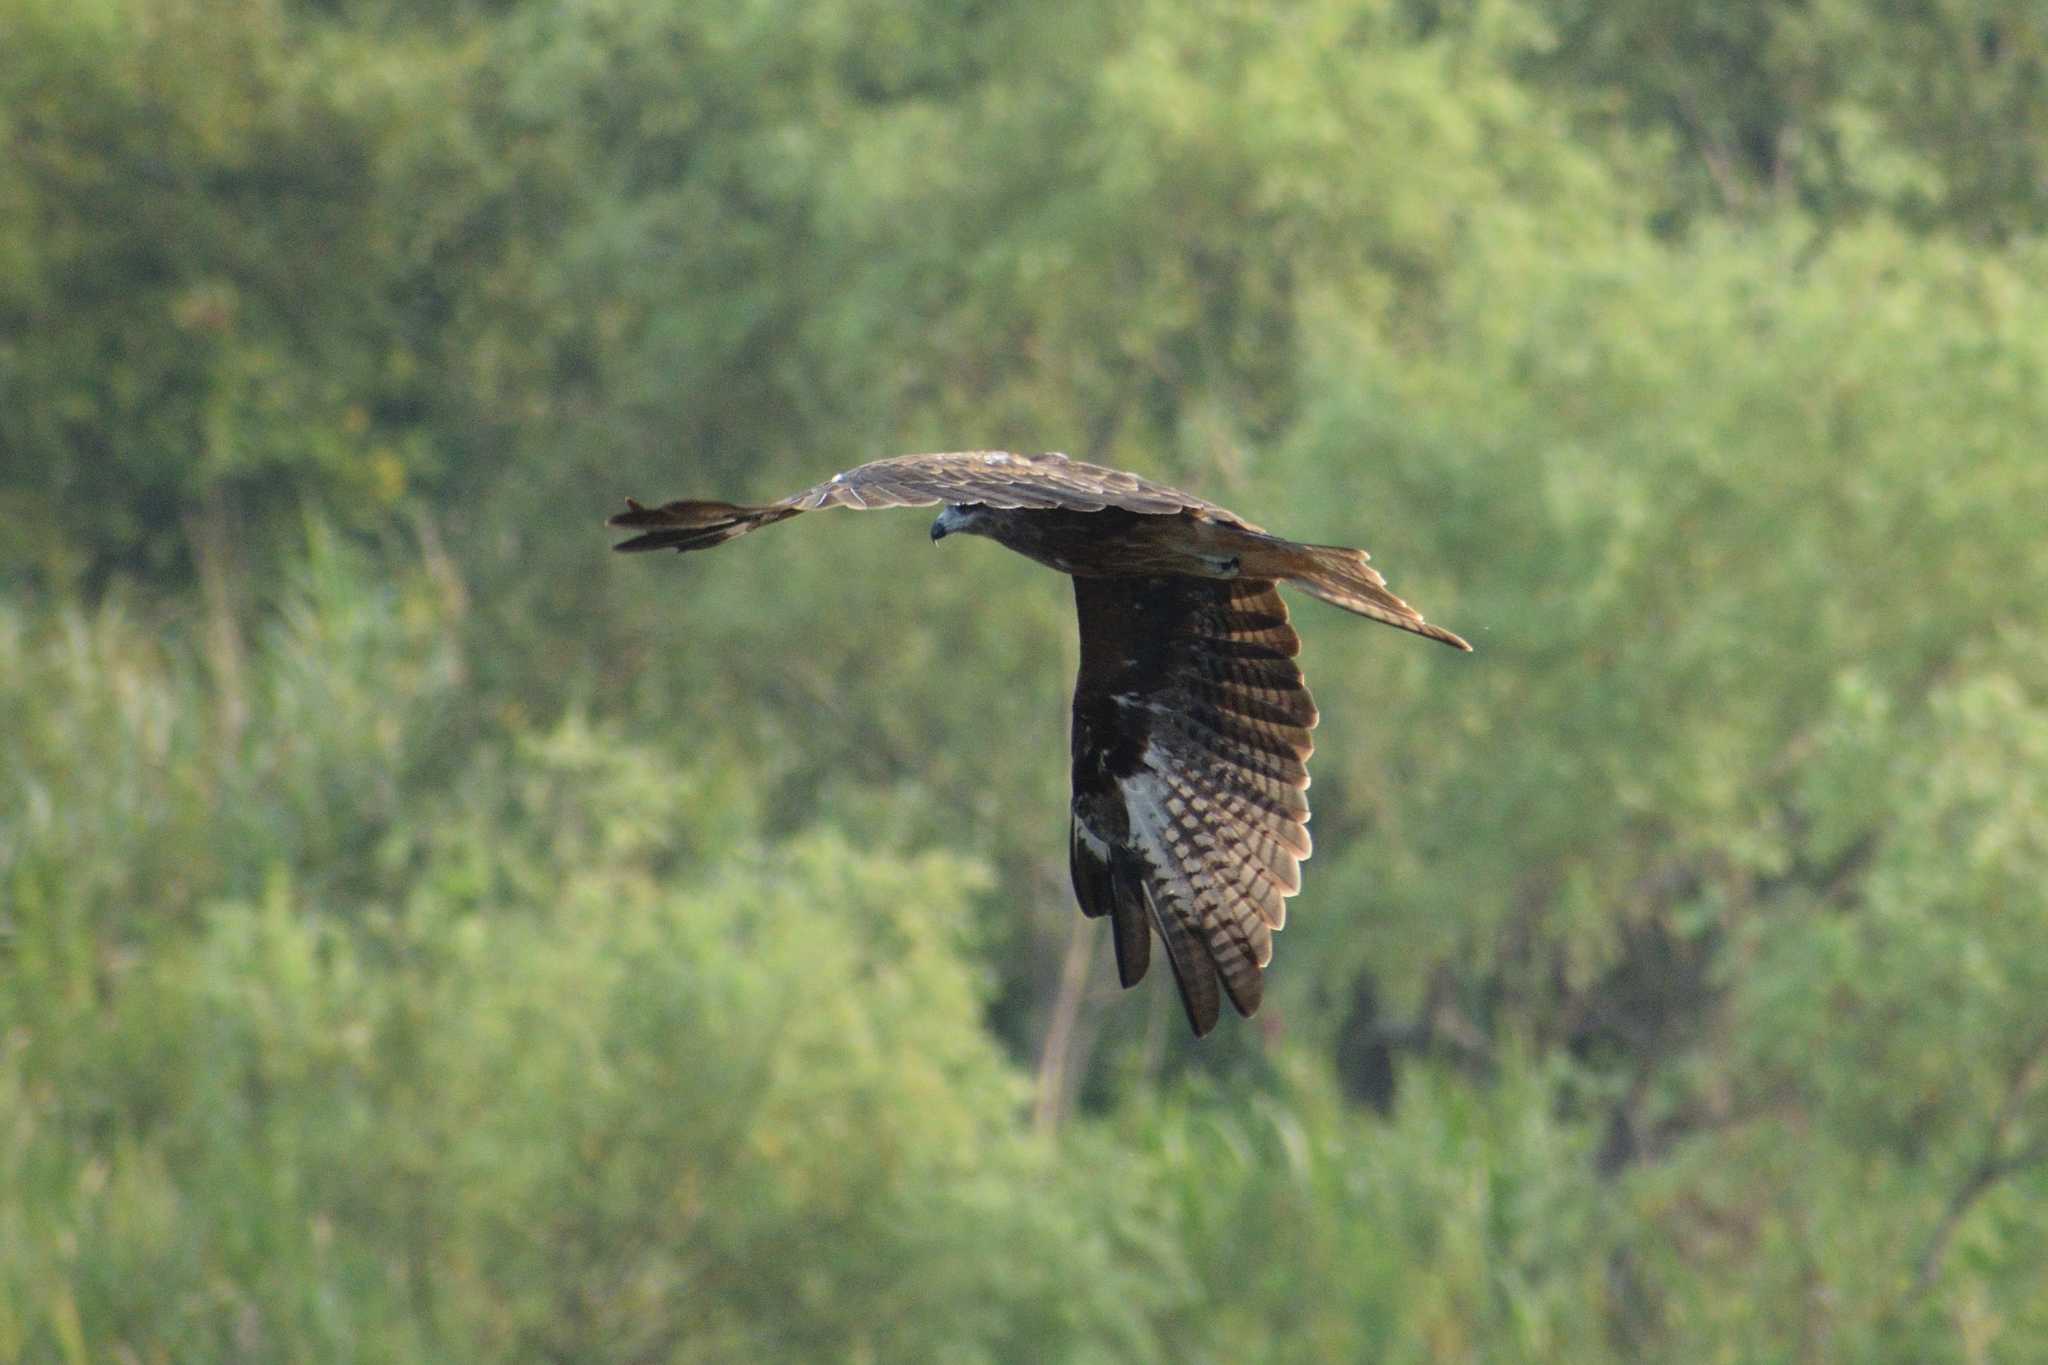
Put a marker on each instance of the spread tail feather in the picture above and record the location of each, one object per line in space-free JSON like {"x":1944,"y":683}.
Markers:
{"x":692,"y":525}
{"x":1102,"y":890}
{"x":1341,"y":577}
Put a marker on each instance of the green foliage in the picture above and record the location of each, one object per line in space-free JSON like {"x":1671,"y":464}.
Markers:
{"x":1467,"y":1228}
{"x":198,"y":317}
{"x":1676,"y":575}
{"x":424,"y":936}
{"x":1935,"y":112}
{"x":527,"y":1072}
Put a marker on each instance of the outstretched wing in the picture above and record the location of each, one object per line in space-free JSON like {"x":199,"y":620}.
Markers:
{"x":995,"y":478}
{"x":1190,"y":747}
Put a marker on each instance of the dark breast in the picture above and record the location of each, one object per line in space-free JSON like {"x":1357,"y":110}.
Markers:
{"x":1086,"y":544}
{"x":1128,"y":633}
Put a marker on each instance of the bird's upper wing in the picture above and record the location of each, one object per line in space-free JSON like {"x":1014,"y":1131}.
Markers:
{"x":996,"y":478}
{"x":1190,"y":748}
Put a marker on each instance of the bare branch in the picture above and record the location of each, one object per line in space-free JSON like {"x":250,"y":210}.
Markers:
{"x":1995,"y":1165}
{"x":1056,"y":1061}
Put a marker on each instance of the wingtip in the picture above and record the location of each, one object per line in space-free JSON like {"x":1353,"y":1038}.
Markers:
{"x":633,"y":518}
{"x":630,"y":517}
{"x":1437,"y":633}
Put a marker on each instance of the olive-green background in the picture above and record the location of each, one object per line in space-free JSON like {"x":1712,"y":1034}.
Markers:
{"x":426,"y":936}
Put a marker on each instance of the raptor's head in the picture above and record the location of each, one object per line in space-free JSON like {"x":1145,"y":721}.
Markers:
{"x":969,"y":518}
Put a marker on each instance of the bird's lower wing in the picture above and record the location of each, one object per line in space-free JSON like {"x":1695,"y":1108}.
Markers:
{"x":1190,"y":748}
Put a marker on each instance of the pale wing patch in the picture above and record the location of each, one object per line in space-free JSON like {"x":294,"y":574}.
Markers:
{"x":1145,"y":799}
{"x":1201,"y":880}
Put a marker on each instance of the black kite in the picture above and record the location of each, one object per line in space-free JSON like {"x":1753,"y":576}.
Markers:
{"x":1191,"y":721}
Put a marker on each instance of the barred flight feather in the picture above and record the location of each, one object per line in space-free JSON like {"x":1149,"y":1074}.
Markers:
{"x":1193,"y":770}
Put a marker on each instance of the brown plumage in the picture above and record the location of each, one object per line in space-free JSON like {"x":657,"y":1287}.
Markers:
{"x":1191,"y":720}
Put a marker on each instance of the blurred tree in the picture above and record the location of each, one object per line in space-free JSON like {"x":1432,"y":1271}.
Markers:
{"x":558,"y":1057}
{"x":1935,"y":112}
{"x":194,"y":330}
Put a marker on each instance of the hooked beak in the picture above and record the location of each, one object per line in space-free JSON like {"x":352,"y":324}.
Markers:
{"x":950,"y":519}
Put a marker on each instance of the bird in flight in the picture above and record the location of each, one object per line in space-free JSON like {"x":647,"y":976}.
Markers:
{"x":1191,"y":721}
